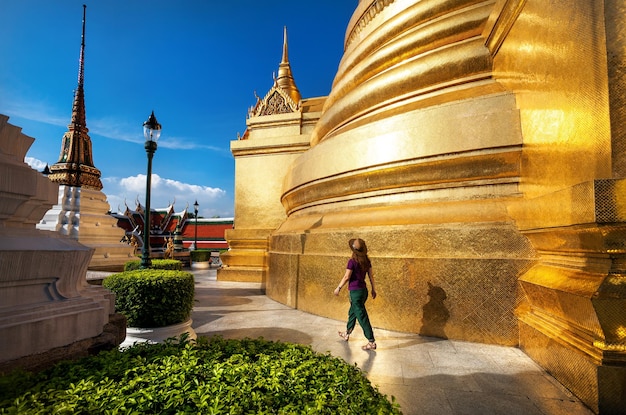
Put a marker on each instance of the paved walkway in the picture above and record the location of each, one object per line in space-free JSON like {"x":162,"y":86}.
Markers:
{"x":426,"y":375}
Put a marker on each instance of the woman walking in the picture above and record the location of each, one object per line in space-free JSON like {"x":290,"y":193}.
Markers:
{"x":358,"y":267}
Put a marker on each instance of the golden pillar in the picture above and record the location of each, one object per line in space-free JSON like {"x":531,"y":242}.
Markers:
{"x":566,"y":62}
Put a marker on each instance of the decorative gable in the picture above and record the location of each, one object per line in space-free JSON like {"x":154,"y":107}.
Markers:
{"x":277,"y":101}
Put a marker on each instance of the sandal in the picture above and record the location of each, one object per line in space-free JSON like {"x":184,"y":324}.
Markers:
{"x":344,"y":335}
{"x":369,"y":346}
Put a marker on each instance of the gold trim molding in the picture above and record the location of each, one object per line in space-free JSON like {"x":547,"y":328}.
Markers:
{"x":506,"y":17}
{"x":471,"y":170}
{"x":365,"y":18}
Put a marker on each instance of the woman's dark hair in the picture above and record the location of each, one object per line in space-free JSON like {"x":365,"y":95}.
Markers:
{"x":360,"y":255}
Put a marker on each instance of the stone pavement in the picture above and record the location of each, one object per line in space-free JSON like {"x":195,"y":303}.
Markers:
{"x":426,"y":375}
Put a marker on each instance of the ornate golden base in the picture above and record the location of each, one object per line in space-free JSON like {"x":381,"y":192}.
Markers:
{"x":242,"y":274}
{"x":573,"y":322}
{"x":246,"y":259}
{"x":599,"y":386}
{"x":448,"y":280}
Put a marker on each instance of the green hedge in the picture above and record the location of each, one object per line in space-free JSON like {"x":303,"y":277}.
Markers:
{"x":171,"y":264}
{"x":152,"y":298}
{"x":212,"y":376}
{"x":200,"y":255}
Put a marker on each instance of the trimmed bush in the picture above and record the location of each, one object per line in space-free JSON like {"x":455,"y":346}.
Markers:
{"x":152,"y":298}
{"x":200,"y":255}
{"x":212,"y":376}
{"x":171,"y":264}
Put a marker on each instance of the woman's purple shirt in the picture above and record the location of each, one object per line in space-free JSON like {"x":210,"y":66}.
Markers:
{"x":357,"y":278}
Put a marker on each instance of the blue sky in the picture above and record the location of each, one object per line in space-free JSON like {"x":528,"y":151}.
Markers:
{"x":196,"y":63}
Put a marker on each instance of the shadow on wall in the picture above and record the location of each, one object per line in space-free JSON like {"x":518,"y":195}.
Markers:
{"x":435,"y":315}
{"x":307,"y":231}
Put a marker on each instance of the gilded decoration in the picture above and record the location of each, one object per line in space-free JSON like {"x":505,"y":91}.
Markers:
{"x":363,"y":18}
{"x":284,"y":97}
{"x":275,"y":102}
{"x":503,"y":23}
{"x":412,"y":57}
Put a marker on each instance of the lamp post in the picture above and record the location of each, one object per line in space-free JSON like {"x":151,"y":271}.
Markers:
{"x":152,"y":132}
{"x":195,"y":238}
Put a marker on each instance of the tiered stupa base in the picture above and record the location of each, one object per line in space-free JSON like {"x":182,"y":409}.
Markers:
{"x":82,"y":214}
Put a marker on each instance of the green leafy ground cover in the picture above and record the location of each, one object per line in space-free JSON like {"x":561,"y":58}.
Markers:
{"x":210,"y":376}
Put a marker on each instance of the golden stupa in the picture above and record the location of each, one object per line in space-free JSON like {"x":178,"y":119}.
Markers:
{"x":479,"y":148}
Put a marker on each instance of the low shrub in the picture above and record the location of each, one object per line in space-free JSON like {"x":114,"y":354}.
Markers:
{"x":152,"y":298}
{"x":200,"y":255}
{"x":171,"y":264}
{"x":210,"y":376}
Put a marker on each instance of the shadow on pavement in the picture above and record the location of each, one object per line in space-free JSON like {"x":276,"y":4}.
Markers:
{"x":267,"y":333}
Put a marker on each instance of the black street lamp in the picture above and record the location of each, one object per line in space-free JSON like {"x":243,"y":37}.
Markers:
{"x":152,"y":132}
{"x":195,"y":238}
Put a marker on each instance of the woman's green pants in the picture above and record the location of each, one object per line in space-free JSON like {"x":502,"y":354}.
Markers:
{"x":358,"y":312}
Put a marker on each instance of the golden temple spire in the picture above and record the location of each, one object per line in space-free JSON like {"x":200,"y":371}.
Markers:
{"x":285,"y":79}
{"x":78,"y":109}
{"x":284,"y":96}
{"x":75,"y":166}
{"x":285,"y":58}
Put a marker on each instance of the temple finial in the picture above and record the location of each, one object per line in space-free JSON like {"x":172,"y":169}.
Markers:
{"x":285,"y":51}
{"x":285,"y":78}
{"x":81,"y":67}
{"x":78,"y":111}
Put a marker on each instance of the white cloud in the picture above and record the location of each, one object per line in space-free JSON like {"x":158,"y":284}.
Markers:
{"x":129,"y":190}
{"x":115,"y":129}
{"x":120,"y":130}
{"x":35,"y":163}
{"x":213,"y":201}
{"x":34,"y":111}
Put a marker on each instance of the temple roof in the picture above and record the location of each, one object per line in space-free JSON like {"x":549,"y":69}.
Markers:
{"x":284,"y":96}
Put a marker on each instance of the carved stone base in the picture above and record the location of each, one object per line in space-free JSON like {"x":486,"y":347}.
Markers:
{"x":46,"y":306}
{"x":45,"y":299}
{"x":113,"y":334}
